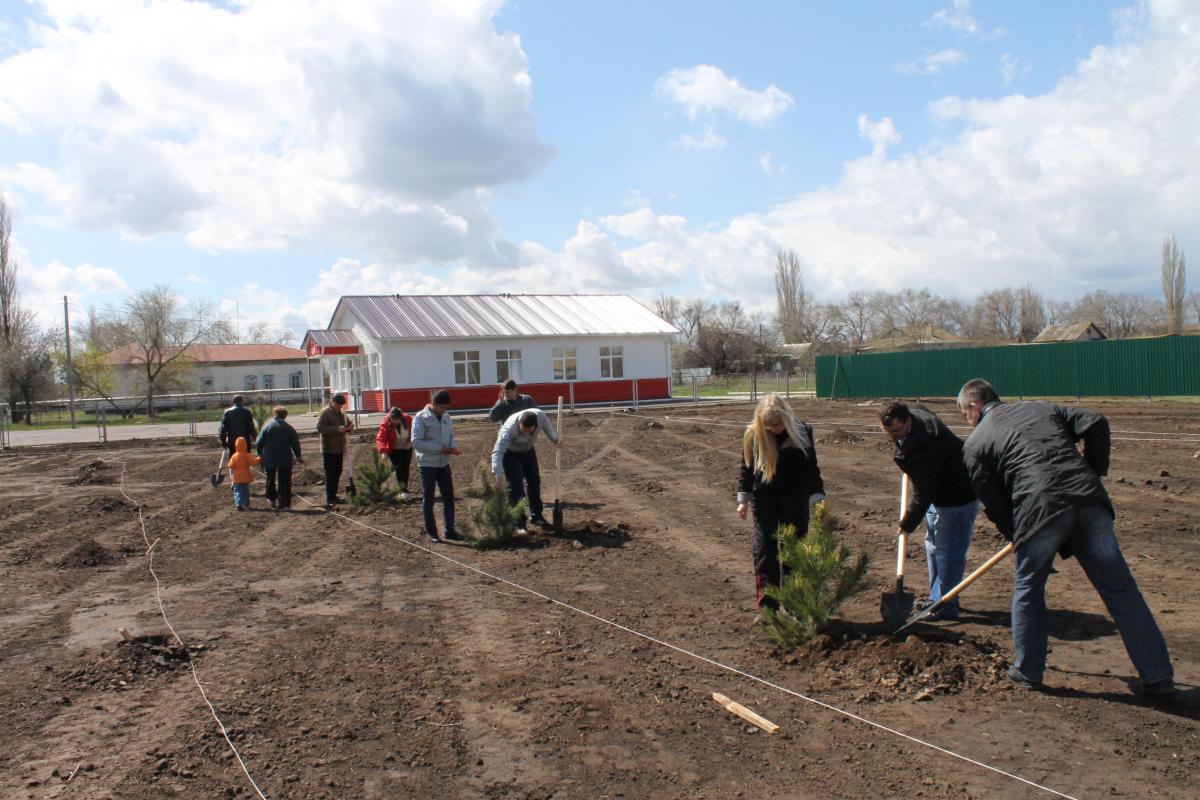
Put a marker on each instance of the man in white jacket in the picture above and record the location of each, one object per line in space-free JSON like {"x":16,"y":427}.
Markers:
{"x":514,"y":459}
{"x":433,"y":439}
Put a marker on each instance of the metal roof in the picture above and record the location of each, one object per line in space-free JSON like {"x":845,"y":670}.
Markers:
{"x":213,"y":353}
{"x":485,"y":315}
{"x":331,"y":337}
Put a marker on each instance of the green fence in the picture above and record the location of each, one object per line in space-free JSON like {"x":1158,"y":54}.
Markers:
{"x":1161,"y":366}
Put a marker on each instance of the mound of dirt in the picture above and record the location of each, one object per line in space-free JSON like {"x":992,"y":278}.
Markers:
{"x":650,"y":425}
{"x":583,"y":423}
{"x":880,"y":667}
{"x":651,"y":487}
{"x":307,"y":476}
{"x":840,"y":436}
{"x":89,"y":553}
{"x":133,"y":660}
{"x":94,"y":473}
{"x":107,"y":505}
{"x":595,"y":527}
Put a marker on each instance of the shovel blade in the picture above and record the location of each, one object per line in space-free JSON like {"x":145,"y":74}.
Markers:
{"x":351,"y":489}
{"x":895,"y":606}
{"x":557,"y":517}
{"x":216,"y":479}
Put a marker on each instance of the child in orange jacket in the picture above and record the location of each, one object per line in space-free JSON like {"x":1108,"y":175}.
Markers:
{"x":239,"y":470}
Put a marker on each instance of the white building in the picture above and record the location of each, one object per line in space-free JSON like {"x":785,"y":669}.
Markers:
{"x":219,"y":368}
{"x":394,"y":350}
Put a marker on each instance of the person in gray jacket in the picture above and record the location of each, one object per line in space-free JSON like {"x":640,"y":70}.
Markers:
{"x":514,"y":459}
{"x":1046,"y":498}
{"x":433,"y":439}
{"x":277,"y":443}
{"x":510,"y":402}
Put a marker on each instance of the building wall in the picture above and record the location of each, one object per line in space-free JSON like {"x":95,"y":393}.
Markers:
{"x":224,"y":377}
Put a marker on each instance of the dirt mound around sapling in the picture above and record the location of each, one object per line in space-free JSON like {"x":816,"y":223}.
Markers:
{"x":840,"y":436}
{"x":133,"y":660}
{"x":880,"y":667}
{"x":93,"y":473}
{"x":89,"y":553}
{"x":107,"y":505}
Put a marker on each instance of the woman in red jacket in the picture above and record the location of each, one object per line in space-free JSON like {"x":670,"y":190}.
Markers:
{"x":394,"y":440}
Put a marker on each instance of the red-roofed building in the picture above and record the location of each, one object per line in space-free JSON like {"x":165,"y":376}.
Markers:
{"x":220,"y":368}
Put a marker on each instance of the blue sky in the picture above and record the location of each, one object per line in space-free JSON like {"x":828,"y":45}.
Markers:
{"x":271,"y":156}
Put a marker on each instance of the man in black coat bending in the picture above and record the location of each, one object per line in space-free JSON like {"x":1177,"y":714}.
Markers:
{"x":1047,"y":498}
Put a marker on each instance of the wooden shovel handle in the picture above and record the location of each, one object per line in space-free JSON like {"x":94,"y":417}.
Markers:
{"x":558,"y":456}
{"x":903,"y":537}
{"x":982,"y":568}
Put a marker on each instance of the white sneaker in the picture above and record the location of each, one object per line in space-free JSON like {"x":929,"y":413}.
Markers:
{"x":405,"y":497}
{"x":522,"y":531}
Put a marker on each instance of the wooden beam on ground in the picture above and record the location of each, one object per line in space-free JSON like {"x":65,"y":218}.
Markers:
{"x":745,"y":713}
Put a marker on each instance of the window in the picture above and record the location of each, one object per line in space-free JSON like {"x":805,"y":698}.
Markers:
{"x":376,"y":371}
{"x":466,"y":366}
{"x":294,"y":380}
{"x":268,"y":381}
{"x":564,"y":364}
{"x":206,"y":383}
{"x":251,"y":383}
{"x":612,"y":362}
{"x":508,"y":365}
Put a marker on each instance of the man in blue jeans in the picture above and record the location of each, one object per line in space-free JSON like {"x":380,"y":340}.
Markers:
{"x":931,"y":456}
{"x":433,"y":439}
{"x":1047,"y":498}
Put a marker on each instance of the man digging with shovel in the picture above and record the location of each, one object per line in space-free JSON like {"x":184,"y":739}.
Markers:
{"x":930,"y":455}
{"x":514,"y":459}
{"x":1046,"y":498}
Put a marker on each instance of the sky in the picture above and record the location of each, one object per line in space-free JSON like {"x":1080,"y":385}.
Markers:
{"x":271,"y":156}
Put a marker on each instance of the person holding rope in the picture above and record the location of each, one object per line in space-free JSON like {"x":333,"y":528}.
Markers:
{"x":779,"y":480}
{"x":1046,"y":497}
{"x":931,"y":456}
{"x":514,"y":459}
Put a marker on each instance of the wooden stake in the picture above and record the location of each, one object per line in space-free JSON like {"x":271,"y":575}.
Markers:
{"x":745,"y":713}
{"x":125,"y":634}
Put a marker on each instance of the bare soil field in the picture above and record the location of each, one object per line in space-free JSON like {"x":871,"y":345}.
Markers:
{"x":347,"y":658}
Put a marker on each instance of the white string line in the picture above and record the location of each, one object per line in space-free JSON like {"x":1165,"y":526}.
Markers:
{"x":873,"y":427}
{"x":191,"y":662}
{"x":699,"y":657}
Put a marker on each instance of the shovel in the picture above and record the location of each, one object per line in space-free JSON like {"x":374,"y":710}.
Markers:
{"x":219,"y":475}
{"x":967,"y":581}
{"x":351,"y":489}
{"x":895,"y":606}
{"x":557,"y":515}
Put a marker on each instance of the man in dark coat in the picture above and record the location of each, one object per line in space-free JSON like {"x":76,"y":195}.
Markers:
{"x":510,"y":402}
{"x":931,"y":456}
{"x":1047,"y":498}
{"x":236,"y":421}
{"x":277,"y":443}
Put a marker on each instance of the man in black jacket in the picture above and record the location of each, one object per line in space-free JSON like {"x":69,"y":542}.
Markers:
{"x":931,"y":456}
{"x":510,"y":402}
{"x":236,"y":421}
{"x":1046,"y":498}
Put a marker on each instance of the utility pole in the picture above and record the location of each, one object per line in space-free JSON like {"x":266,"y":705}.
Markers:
{"x":70,"y":367}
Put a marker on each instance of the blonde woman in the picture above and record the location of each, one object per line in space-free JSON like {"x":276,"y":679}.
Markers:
{"x":780,"y":479}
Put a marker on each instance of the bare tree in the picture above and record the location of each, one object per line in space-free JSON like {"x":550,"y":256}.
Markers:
{"x":861,"y":317}
{"x":160,"y":330}
{"x":1192,"y":304}
{"x":1032,"y":313}
{"x":1174,"y":278}
{"x":791,"y":302}
{"x":26,"y":353}
{"x":1001,"y":312}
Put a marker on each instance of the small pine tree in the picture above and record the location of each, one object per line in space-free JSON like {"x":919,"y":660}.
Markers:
{"x":261,"y":411}
{"x":817,"y":581}
{"x":495,"y":521}
{"x":372,"y":483}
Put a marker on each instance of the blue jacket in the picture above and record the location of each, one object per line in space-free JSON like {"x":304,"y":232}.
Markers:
{"x":276,"y":443}
{"x":430,"y":435}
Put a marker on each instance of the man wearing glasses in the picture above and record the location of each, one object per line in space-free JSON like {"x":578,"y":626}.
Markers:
{"x":931,"y":456}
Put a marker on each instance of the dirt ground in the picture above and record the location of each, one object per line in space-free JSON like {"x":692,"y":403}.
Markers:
{"x":348,"y":659}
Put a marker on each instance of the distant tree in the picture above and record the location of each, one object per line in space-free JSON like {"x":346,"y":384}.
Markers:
{"x":791,"y":301}
{"x":1192,"y":304}
{"x":1032,"y":313}
{"x":1174,"y":279}
{"x":1001,"y":312}
{"x":160,"y":331}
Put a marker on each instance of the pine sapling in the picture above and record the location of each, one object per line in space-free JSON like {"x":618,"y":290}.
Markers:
{"x":495,"y":521}
{"x":372,"y":483}
{"x":817,"y":579}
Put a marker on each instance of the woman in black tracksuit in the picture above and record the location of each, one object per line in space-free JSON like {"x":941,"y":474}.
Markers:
{"x":780,"y":479}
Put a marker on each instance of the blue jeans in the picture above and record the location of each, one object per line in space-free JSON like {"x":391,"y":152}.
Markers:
{"x":948,"y":531}
{"x":1088,"y":531}
{"x":520,"y":470}
{"x":241,"y":495}
{"x":444,"y":480}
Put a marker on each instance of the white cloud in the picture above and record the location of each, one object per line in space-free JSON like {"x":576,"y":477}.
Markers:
{"x":708,"y":140}
{"x":958,"y":18}
{"x":1068,"y":190}
{"x":276,"y":123}
{"x":880,"y":134}
{"x":932,"y":63}
{"x":708,"y":90}
{"x":192,"y":277}
{"x":766,"y":162}
{"x":1012,"y":67}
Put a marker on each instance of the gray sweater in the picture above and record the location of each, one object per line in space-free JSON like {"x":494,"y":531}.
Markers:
{"x":512,"y":439}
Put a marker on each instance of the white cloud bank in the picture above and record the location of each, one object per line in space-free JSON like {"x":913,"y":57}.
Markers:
{"x":277,"y":124}
{"x":708,"y":90}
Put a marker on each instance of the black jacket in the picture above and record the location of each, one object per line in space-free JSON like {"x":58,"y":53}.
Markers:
{"x":237,"y":421}
{"x":505,"y":408}
{"x":931,"y":456}
{"x":1025,"y":467}
{"x":796,"y":472}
